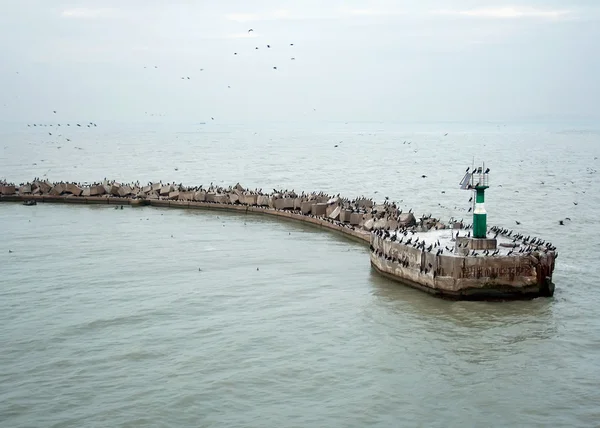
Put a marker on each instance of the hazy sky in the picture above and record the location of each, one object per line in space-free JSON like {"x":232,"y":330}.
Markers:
{"x":424,"y":60}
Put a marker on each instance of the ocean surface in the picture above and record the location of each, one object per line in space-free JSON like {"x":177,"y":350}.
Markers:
{"x":148,"y":317}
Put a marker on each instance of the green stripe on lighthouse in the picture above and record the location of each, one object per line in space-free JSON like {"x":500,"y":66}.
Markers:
{"x":479,"y":214}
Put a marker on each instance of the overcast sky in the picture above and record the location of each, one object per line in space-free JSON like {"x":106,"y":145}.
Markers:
{"x":423,"y":60}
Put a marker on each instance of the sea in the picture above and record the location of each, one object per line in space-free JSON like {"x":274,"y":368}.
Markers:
{"x":154,"y":317}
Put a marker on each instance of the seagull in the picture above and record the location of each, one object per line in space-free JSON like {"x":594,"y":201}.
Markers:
{"x":250,"y":30}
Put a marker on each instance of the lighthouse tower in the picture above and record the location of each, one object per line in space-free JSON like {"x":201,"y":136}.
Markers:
{"x":477,"y":180}
{"x":480,"y":182}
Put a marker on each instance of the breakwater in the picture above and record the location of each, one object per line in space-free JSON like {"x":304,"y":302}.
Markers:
{"x":438,"y":257}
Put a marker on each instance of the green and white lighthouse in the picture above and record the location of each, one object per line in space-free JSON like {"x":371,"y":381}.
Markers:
{"x":478,"y":181}
{"x":479,"y":213}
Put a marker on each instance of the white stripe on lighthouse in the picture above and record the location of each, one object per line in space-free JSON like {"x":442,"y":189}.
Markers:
{"x":479,"y":208}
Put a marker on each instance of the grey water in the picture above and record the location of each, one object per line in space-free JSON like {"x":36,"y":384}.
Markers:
{"x":171,"y":318}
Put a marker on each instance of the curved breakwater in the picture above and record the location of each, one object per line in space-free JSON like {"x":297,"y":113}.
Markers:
{"x":422,"y":252}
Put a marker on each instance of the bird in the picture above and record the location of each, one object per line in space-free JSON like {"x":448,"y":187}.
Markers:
{"x":471,"y":199}
{"x":575,"y":203}
{"x":250,"y":30}
{"x":291,"y":44}
{"x":54,"y":111}
{"x":293,"y":59}
{"x":423,"y":176}
{"x":518,"y":222}
{"x":269,"y":46}
{"x":274,"y":68}
{"x":468,"y":169}
{"x":487,"y":170}
{"x":562,"y":223}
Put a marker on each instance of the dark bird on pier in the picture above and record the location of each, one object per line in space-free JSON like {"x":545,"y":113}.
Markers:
{"x":562,"y":223}
{"x":470,"y":208}
{"x":471,"y":199}
{"x":468,"y":168}
{"x":487,"y":170}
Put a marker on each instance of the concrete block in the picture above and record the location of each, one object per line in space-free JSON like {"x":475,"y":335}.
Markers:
{"x":152,"y":195}
{"x":86,"y":192}
{"x":297,"y":203}
{"x":406,"y":220}
{"x":44,"y":186}
{"x":345,"y":215}
{"x":210,"y":197}
{"x":356,"y":219}
{"x":37,"y":191}
{"x":238,"y":187}
{"x":97,"y":190}
{"x":125,"y":191}
{"x":156,"y":187}
{"x":221,"y":198}
{"x":234,"y":198}
{"x":368,"y":225}
{"x":147,"y":189}
{"x":262,"y":201}
{"x":58,"y":189}
{"x":249,"y":199}
{"x":335,"y":214}
{"x":288,"y":203}
{"x":200,"y":196}
{"x":165,"y":190}
{"x":8,"y":190}
{"x":173,"y":195}
{"x":319,"y":209}
{"x":114,"y":189}
{"x":330,"y":208}
{"x":186,"y":196}
{"x":74,"y":189}
{"x":278,"y":204}
{"x":306,"y":207}
{"x":25,"y":189}
{"x":380,"y":223}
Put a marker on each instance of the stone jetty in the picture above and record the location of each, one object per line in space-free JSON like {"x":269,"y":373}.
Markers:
{"x":426,"y":253}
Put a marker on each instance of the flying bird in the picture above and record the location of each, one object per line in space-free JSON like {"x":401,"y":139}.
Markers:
{"x":250,"y":30}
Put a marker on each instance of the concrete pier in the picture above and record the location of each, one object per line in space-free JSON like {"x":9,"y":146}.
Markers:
{"x":424,"y":253}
